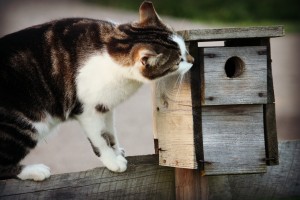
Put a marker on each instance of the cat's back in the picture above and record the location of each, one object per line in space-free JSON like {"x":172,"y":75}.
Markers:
{"x":23,"y":37}
{"x":65,"y":31}
{"x":56,"y":44}
{"x":38,"y":64}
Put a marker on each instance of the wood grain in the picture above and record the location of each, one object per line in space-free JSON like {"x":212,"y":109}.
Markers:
{"x":146,"y":180}
{"x":232,"y":33}
{"x":271,"y":140}
{"x":248,"y":88}
{"x":177,"y":113}
{"x":196,"y":82}
{"x":258,"y":42}
{"x":190,"y":184}
{"x":233,"y":139}
{"x":280,"y":182}
{"x":271,"y":96}
{"x":222,"y":126}
{"x":174,"y":122}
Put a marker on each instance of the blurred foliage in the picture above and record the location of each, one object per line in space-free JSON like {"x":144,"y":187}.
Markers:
{"x":222,"y":11}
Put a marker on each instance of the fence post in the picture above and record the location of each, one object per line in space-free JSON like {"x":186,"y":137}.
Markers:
{"x":189,"y":184}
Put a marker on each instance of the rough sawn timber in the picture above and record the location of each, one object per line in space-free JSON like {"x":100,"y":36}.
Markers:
{"x":233,"y":139}
{"x":248,"y":88}
{"x":233,"y":135}
{"x":232,"y":33}
{"x":144,"y":179}
{"x":174,"y":122}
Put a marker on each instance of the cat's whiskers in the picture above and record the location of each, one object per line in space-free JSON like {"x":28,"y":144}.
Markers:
{"x":181,"y":79}
{"x":177,"y":81}
{"x":157,"y":84}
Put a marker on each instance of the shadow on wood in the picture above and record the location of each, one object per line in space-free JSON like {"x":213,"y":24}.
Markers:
{"x":144,"y":179}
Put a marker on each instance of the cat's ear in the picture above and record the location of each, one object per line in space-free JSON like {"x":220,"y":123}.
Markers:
{"x":148,"y":14}
{"x":150,"y":58}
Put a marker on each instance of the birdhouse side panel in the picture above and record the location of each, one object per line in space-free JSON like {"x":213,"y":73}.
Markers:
{"x":174,"y":122}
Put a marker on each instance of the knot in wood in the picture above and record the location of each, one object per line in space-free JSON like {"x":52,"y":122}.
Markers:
{"x":260,"y":94}
{"x":210,"y":98}
{"x":166,"y":104}
{"x":164,"y":100}
{"x":262,"y":52}
{"x":210,"y":55}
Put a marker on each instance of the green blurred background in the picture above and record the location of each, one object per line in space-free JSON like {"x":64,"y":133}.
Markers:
{"x":235,"y":12}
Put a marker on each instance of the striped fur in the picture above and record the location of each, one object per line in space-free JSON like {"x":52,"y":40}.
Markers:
{"x":78,"y":68}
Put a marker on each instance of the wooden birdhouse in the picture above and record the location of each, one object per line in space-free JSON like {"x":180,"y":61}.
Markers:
{"x":220,"y":117}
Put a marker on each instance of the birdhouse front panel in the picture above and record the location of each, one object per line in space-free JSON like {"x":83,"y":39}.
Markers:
{"x":235,"y":75}
{"x":233,"y":139}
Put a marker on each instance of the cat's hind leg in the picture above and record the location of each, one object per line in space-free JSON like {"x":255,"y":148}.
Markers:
{"x":36,"y":172}
{"x":17,"y":137}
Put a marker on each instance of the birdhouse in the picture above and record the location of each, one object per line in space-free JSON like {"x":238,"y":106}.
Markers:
{"x":220,"y":117}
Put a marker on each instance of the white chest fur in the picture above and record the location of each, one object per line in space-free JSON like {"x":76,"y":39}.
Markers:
{"x":102,"y":81}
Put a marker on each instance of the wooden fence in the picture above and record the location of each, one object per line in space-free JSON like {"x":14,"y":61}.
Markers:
{"x":145,"y":179}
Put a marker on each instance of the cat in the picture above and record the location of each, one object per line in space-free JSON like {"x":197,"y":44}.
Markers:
{"x":78,"y":68}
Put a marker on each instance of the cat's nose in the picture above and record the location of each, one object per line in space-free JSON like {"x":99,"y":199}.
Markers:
{"x":190,"y":59}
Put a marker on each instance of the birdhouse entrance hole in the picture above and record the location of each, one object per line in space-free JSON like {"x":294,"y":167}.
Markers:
{"x":234,"y":67}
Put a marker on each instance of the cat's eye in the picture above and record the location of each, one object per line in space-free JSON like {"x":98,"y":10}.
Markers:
{"x":181,"y":60}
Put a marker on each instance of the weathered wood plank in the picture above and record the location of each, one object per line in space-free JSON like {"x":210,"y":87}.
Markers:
{"x":173,"y":116}
{"x":221,"y":126}
{"x":233,"y":139}
{"x":271,"y":134}
{"x":258,"y":42}
{"x":190,"y":184}
{"x":252,"y":86}
{"x":280,"y":182}
{"x":174,"y":122}
{"x":248,"y":84}
{"x":144,"y":179}
{"x":196,"y":83}
{"x":271,"y":96}
{"x":232,"y":33}
{"x":219,"y":188}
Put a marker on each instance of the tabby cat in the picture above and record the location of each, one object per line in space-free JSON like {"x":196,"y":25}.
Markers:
{"x":80,"y":69}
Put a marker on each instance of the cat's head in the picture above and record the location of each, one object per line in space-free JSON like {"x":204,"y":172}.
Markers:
{"x":155,"y":49}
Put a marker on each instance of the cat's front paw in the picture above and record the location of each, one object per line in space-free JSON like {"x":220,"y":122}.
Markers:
{"x":115,"y":163}
{"x":120,"y":151}
{"x":37,"y":172}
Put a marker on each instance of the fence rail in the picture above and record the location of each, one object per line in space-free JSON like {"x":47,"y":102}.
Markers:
{"x":144,"y":179}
